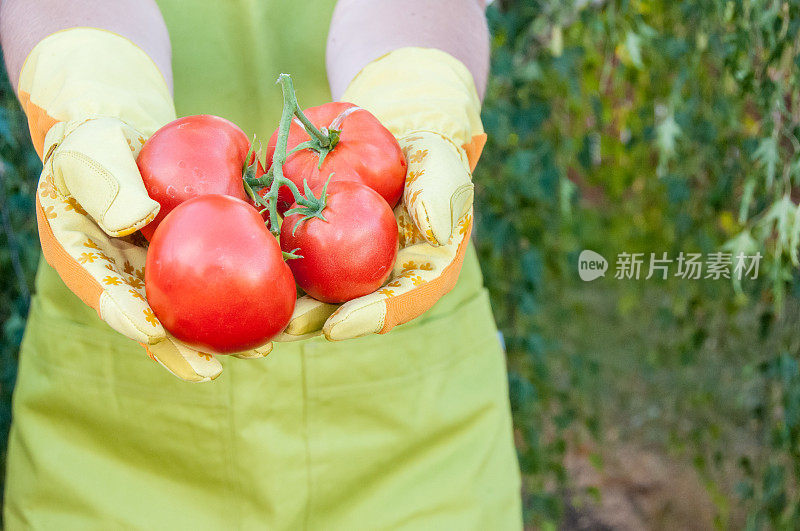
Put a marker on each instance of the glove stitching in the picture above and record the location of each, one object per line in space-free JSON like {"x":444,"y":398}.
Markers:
{"x":436,"y":243}
{"x":200,"y":378}
{"x":179,"y":347}
{"x":351,"y":311}
{"x":149,"y":337}
{"x":100,"y":171}
{"x":470,"y":188}
{"x":460,"y":150}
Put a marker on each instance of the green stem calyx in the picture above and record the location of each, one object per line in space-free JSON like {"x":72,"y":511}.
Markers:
{"x":250,"y":171}
{"x":291,"y":255}
{"x":312,"y":207}
{"x":321,"y":141}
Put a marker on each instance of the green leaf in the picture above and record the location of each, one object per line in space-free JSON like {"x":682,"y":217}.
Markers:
{"x":667,"y":132}
{"x":767,"y":155}
{"x":633,"y":43}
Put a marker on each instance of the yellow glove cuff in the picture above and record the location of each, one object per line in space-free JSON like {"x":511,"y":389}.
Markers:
{"x":83,"y":73}
{"x":422,"y":89}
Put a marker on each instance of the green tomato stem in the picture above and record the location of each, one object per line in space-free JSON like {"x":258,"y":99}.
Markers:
{"x":292,"y":255}
{"x":308,"y":204}
{"x":322,"y":138}
{"x":275,"y":178}
{"x":300,"y":147}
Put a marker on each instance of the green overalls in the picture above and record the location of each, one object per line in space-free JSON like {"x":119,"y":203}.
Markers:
{"x":406,"y":430}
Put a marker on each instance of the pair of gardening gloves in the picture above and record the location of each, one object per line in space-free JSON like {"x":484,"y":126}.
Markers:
{"x":92,"y":98}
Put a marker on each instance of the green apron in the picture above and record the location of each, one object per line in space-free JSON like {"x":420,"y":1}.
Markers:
{"x":406,"y":430}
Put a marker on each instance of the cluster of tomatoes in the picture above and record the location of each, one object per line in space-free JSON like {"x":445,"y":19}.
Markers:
{"x":215,"y":275}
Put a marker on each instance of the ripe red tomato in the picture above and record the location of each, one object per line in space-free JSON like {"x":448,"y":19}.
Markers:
{"x":215,"y":276}
{"x":352,"y":252}
{"x":366,"y":152}
{"x":193,"y":156}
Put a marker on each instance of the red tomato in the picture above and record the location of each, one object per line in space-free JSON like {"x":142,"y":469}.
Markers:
{"x":193,"y":156}
{"x":215,"y":276}
{"x":351,"y":253}
{"x":366,"y":152}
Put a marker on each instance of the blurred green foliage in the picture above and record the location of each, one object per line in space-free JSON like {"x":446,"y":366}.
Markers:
{"x":615,"y":126}
{"x":19,"y":242}
{"x":635,"y":126}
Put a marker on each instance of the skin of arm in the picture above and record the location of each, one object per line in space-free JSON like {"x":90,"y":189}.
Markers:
{"x":363,"y":30}
{"x":23,"y":23}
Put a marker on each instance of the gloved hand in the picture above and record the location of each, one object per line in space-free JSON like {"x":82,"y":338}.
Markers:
{"x":92,"y":98}
{"x":427,"y":99}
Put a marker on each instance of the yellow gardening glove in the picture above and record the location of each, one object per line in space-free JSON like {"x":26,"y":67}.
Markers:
{"x":92,"y":98}
{"x":427,"y":99}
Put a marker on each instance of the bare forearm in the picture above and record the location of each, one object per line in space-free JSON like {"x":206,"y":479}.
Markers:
{"x":363,"y":30}
{"x":23,"y":23}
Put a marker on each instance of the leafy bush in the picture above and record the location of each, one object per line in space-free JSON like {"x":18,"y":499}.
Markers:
{"x":646,"y":127}
{"x":19,"y":243}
